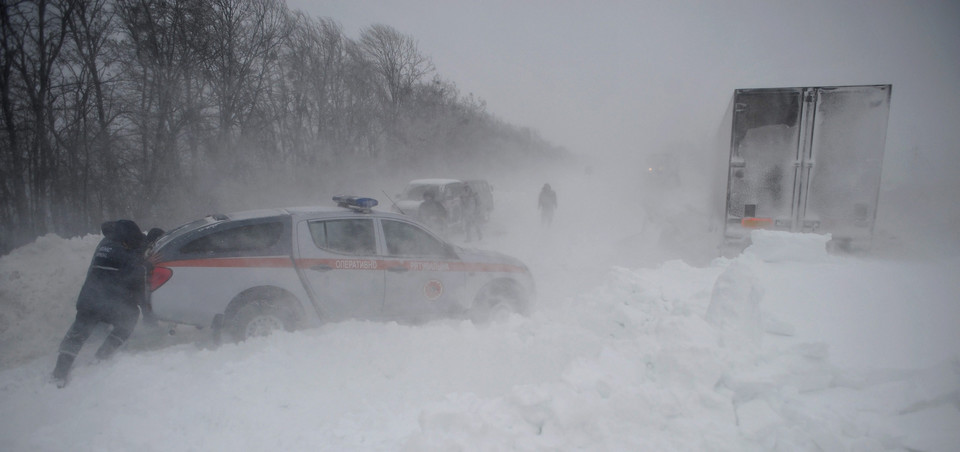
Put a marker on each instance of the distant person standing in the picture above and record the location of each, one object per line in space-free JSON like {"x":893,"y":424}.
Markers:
{"x":547,"y":203}
{"x":433,"y":213}
{"x":112,"y":293}
{"x":472,"y":214}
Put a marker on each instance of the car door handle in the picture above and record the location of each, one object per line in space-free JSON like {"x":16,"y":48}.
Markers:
{"x":321,"y":268}
{"x":397,"y":269}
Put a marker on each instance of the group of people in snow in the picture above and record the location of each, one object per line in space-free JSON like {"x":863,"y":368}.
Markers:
{"x":435,"y":215}
{"x":114,"y":292}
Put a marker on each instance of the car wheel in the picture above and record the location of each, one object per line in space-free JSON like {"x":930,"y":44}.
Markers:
{"x":262,"y":318}
{"x":496,"y":301}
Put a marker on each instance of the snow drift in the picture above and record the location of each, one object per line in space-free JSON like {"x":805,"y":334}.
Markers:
{"x":782,"y":348}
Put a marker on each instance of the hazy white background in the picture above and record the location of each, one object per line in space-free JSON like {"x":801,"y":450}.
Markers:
{"x":619,"y":79}
{"x":815,"y":352}
{"x":782,"y":348}
{"x":627,"y":76}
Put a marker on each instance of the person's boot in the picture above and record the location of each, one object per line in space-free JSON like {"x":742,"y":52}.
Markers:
{"x":62,"y":370}
{"x":110,"y":345}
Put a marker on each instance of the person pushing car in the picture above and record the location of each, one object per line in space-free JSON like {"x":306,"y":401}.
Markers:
{"x":111,"y":293}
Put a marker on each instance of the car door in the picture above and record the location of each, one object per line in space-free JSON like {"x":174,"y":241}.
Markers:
{"x":338,"y":258}
{"x":424,"y":276}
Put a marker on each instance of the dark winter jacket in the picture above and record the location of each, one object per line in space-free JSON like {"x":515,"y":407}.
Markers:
{"x":432,"y":211}
{"x":115,"y":279}
{"x":470,"y":205}
{"x":548,"y":199}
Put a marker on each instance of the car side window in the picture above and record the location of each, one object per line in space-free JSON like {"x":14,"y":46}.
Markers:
{"x":350,"y":236}
{"x":452,"y":191}
{"x":459,"y":189}
{"x":245,"y":238}
{"x":404,"y":239}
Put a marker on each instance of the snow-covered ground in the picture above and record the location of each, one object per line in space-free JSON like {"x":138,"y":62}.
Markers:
{"x":784,"y":347}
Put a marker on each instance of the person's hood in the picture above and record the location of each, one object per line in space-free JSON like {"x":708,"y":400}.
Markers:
{"x":154,"y":234}
{"x":109,"y":230}
{"x":128,"y":232}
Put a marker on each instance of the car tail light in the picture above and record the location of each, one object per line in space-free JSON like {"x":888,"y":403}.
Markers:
{"x":159,"y":276}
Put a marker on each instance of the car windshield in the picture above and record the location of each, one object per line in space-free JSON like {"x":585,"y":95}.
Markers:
{"x":182,"y":229}
{"x":417,"y":191}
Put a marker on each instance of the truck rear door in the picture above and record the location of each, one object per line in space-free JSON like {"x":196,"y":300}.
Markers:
{"x":806,"y":160}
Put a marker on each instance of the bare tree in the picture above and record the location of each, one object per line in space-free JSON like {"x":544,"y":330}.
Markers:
{"x":13,"y":193}
{"x":161,"y":45}
{"x":317,"y":92}
{"x":396,"y":59}
{"x":398,"y":67}
{"x":244,"y":39}
{"x":156,"y":95}
{"x":37,"y":31}
{"x":90,"y":101}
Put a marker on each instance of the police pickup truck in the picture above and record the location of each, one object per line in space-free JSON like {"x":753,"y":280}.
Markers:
{"x":251,"y":273}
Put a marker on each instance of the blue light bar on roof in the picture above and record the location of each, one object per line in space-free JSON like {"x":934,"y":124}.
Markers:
{"x":355,"y":202}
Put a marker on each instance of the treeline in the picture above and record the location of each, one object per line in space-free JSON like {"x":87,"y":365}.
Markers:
{"x":123,"y":108}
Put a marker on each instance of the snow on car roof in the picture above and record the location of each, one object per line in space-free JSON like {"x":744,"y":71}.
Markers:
{"x":257,"y":213}
{"x":273,"y":212}
{"x":433,"y":181}
{"x":313,"y":209}
{"x":310,"y":210}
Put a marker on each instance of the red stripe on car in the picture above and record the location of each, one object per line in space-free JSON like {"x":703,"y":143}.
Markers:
{"x":346,"y":264}
{"x":232,"y":262}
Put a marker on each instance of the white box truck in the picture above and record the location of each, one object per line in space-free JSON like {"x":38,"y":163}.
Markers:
{"x":806,"y":160}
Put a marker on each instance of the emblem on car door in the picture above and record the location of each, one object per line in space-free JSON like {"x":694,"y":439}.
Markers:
{"x":433,"y":289}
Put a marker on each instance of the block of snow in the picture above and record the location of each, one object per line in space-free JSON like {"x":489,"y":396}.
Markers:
{"x":781,"y":246}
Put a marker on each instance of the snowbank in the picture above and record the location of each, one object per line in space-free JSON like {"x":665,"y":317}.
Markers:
{"x":39,"y":284}
{"x":743,"y":354}
{"x":781,"y":246}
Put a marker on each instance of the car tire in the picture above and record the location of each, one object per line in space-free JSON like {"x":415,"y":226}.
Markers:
{"x":496,"y":301}
{"x":260,"y":318}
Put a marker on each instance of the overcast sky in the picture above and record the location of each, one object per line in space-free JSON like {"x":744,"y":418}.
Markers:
{"x":609,"y":76}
